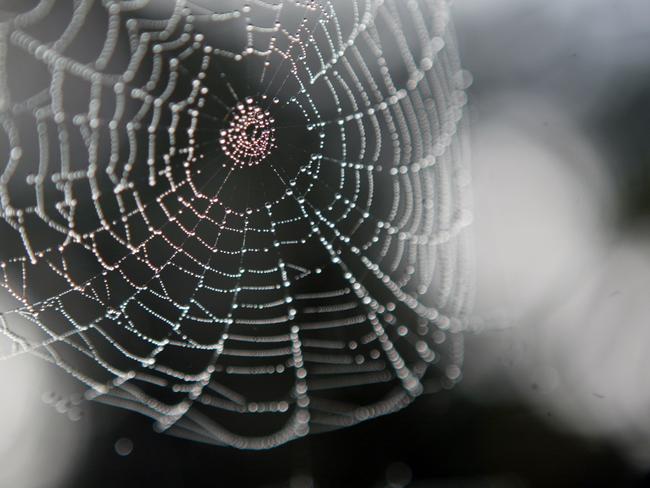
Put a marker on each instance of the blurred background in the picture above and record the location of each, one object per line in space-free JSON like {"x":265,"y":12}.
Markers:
{"x":555,"y":389}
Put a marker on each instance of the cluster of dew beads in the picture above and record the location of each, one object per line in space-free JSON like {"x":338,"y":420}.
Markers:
{"x":250,"y":135}
{"x":246,"y":220}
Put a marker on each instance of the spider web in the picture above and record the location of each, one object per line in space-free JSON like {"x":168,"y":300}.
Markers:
{"x":312,"y":283}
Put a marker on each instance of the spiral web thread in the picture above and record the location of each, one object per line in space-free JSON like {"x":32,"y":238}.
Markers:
{"x":321,"y":286}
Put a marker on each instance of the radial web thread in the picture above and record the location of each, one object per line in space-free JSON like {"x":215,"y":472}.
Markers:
{"x":245,"y":220}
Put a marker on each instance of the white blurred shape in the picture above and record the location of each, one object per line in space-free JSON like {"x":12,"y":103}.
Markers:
{"x":542,"y":203}
{"x":546,"y":261}
{"x":599,"y":342}
{"x":39,"y":445}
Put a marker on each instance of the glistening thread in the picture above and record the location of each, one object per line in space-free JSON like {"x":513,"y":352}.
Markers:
{"x":246,"y":223}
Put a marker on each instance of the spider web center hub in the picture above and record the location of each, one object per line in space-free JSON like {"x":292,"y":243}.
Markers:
{"x":249,"y":136}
